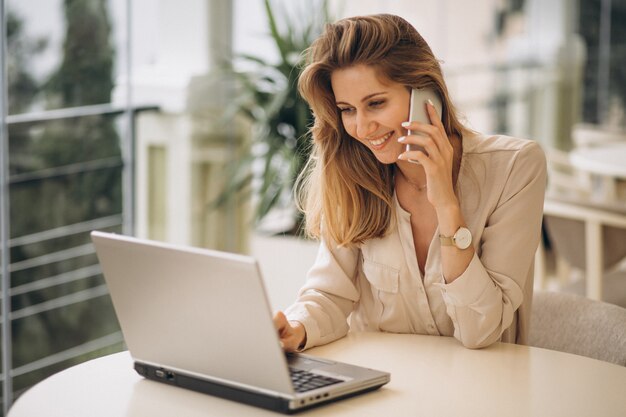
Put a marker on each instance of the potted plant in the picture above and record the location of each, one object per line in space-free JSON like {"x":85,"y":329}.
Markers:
{"x":267,"y":97}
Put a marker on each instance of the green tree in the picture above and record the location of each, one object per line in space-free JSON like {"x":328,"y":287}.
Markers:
{"x":20,"y":50}
{"x":85,"y":75}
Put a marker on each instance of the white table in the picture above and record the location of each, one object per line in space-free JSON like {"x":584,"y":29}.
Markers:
{"x":430,"y":376}
{"x":606,"y":164}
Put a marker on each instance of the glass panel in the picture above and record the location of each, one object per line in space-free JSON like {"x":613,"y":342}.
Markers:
{"x":589,"y":27}
{"x":602,"y":95}
{"x":617,"y":81}
{"x":63,"y":172}
{"x":56,"y":332}
{"x":63,"y":53}
{"x":65,"y":180}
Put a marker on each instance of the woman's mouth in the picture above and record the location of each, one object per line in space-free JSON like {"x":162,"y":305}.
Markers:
{"x":379,"y":142}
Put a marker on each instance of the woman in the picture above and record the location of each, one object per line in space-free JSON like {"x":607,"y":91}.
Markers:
{"x":440,"y":242}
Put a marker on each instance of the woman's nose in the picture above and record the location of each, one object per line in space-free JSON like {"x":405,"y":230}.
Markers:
{"x":365,"y":126}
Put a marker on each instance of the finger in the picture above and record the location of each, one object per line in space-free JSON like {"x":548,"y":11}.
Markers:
{"x":420,"y":130}
{"x":408,"y":125}
{"x":420,"y":157}
{"x":435,"y":118}
{"x":425,"y":129}
{"x":419,"y":127}
{"x":431,"y":138}
{"x":420,"y":140}
{"x":280,"y":321}
{"x":412,"y":156}
{"x":425,"y":143}
{"x":288,"y":342}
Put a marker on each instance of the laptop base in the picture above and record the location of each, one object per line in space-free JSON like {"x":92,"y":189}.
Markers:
{"x":255,"y":399}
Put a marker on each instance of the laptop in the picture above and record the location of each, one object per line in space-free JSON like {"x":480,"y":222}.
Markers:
{"x":200,"y":319}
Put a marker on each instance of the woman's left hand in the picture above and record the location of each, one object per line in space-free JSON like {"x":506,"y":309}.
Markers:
{"x":439,"y":160}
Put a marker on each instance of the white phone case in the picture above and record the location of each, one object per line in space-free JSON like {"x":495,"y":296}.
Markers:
{"x":417,"y":111}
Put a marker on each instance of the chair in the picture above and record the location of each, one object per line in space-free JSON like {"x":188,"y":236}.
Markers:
{"x":574,"y":324}
{"x":598,"y":162}
{"x":589,"y":135}
{"x":563,"y":178}
{"x":592,"y":238}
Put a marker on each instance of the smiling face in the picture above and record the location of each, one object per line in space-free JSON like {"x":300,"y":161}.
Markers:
{"x":372,"y":109}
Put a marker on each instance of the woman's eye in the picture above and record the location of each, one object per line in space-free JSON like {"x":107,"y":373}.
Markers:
{"x":377,"y":103}
{"x":345,"y":109}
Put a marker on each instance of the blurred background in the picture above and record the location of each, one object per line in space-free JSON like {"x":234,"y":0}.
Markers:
{"x":179,"y":121}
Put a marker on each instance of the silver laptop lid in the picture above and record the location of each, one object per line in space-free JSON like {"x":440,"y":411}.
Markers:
{"x":195,"y":310}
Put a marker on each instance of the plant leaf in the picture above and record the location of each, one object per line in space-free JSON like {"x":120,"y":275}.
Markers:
{"x":280,"y":43}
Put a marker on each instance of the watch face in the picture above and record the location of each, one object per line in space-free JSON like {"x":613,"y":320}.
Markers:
{"x":463,"y":238}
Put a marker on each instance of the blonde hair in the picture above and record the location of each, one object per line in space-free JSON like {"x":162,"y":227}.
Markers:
{"x":345,"y":193}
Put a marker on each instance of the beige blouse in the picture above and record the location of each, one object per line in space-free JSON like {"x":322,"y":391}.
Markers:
{"x":378,"y":286}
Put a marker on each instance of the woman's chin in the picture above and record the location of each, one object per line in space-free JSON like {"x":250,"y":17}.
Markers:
{"x":387,"y":157}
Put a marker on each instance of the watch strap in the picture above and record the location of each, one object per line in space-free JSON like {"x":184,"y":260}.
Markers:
{"x":446,"y":240}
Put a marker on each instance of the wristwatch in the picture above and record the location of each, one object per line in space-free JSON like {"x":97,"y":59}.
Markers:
{"x":462,"y":239}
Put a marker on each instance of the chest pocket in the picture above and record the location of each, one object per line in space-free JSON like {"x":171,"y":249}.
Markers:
{"x":384,"y":282}
{"x":382,"y":277}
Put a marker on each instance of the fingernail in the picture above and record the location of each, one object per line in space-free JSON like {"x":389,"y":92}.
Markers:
{"x":401,"y":156}
{"x":431,"y":102}
{"x":406,"y":124}
{"x":402,"y":139}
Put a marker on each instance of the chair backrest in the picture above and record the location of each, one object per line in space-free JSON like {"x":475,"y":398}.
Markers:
{"x":574,"y":324}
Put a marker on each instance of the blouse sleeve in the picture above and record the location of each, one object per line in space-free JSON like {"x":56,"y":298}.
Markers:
{"x":483,"y":300}
{"x":328,"y":296}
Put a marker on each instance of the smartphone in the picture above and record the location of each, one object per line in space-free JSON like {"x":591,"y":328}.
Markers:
{"x":417,"y":111}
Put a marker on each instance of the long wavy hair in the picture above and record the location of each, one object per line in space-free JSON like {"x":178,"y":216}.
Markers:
{"x":345,"y":193}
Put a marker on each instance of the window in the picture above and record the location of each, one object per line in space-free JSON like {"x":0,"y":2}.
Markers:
{"x":602,"y":28}
{"x":66,"y":169}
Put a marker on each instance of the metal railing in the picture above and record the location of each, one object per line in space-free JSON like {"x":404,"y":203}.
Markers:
{"x":90,"y":274}
{"x":7,"y":351}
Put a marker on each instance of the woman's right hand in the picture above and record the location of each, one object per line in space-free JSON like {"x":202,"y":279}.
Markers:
{"x":292,"y":333}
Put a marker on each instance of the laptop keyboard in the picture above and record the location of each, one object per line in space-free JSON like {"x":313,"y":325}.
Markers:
{"x":306,"y":381}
